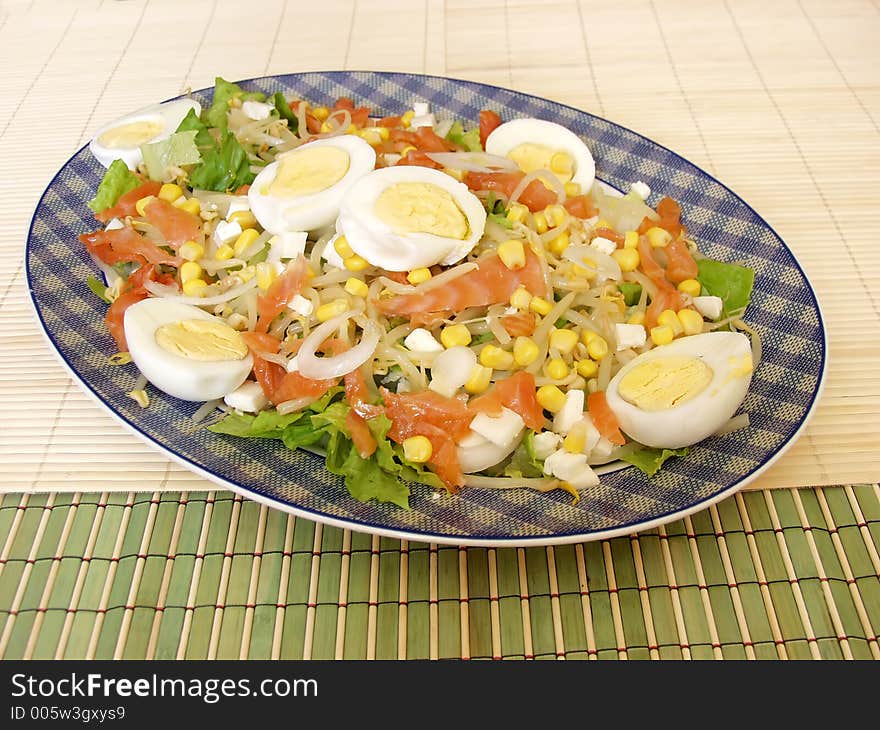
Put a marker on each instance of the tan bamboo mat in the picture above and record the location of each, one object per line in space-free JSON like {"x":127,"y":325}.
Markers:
{"x":779,"y":100}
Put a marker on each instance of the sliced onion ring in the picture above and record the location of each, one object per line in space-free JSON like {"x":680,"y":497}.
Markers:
{"x":320,"y":368}
{"x":473,"y":161}
{"x":590,"y":258}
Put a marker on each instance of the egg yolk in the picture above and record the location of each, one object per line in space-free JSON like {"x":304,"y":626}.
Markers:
{"x":421,"y":208}
{"x":133,"y":134}
{"x":203,"y":340}
{"x":665,"y":382}
{"x":308,"y":171}
{"x":530,"y":157}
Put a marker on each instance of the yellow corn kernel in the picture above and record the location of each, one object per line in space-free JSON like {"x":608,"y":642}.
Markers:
{"x":189,"y":271}
{"x":247,"y":273}
{"x":572,"y":189}
{"x":494,"y":357}
{"x":352,"y":129}
{"x":668,"y":318}
{"x":194,"y":287}
{"x":407,"y":118}
{"x":455,"y":335}
{"x":556,"y":369}
{"x":478,"y":380}
{"x":587,"y":368}
{"x":563,"y":340}
{"x":602,"y":223}
{"x":191,"y":206}
{"x":245,"y":240}
{"x":141,"y":205}
{"x":658,"y":237}
{"x":576,"y":440}
{"x":418,"y":276}
{"x":191,"y":251}
{"x":223,"y":253}
{"x":560,"y":243}
{"x":521,"y":298}
{"x":550,"y":398}
{"x":512,"y":254}
{"x":331,"y":310}
{"x":140,"y":397}
{"x":356,"y":263}
{"x":370,"y":135}
{"x":661,"y":335}
{"x":265,"y":275}
{"x":597,"y":347}
{"x":244,"y":218}
{"x":384,"y":133}
{"x":406,"y":150}
{"x":627,"y":258}
{"x":690,"y":286}
{"x":631,"y":239}
{"x":342,"y":247}
{"x":561,"y":163}
{"x":417,"y":449}
{"x":541,"y":306}
{"x":636,"y":318}
{"x":321,"y":113}
{"x":356,"y":287}
{"x":540,"y":220}
{"x":555,"y":214}
{"x":691,"y":321}
{"x":525,"y":351}
{"x":517,"y":213}
{"x":170,"y":192}
{"x":326,"y":127}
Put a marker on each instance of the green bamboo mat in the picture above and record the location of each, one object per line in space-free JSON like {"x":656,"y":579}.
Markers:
{"x":765,"y":574}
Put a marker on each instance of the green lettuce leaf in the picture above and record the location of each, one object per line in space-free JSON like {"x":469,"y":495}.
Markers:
{"x":224,"y":167}
{"x":191,"y":122}
{"x":225,"y":92}
{"x":469,"y":140}
{"x":285,"y":112}
{"x":98,"y":288}
{"x":631,"y":292}
{"x":523,"y":463}
{"x":650,"y":460}
{"x":731,"y":282}
{"x":176,"y":151}
{"x":117,"y":181}
{"x":266,"y":424}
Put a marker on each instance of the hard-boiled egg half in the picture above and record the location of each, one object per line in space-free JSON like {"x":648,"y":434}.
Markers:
{"x":678,"y":394}
{"x":185,"y":351}
{"x":536,"y":144}
{"x":408,"y":217}
{"x":122,"y":139}
{"x":302,"y":189}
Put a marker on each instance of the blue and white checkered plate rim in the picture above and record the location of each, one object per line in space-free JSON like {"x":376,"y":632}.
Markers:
{"x":784,"y":310}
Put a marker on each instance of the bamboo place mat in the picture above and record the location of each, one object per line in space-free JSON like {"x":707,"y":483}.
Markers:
{"x":778,"y":100}
{"x":766,"y":574}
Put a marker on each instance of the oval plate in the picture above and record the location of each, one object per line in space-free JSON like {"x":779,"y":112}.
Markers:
{"x":783,"y":310}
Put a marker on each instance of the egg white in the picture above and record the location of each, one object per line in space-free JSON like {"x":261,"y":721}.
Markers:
{"x":510,"y":135}
{"x":169,"y":114}
{"x":315,"y":211}
{"x":693,"y":420}
{"x":374,"y":240}
{"x":174,"y":374}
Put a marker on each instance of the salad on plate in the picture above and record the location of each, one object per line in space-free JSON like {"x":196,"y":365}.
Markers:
{"x":460,"y":303}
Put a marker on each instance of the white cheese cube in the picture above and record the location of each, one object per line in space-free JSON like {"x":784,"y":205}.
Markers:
{"x":545,"y":443}
{"x":256,"y":110}
{"x":571,"y":468}
{"x":422,"y":120}
{"x":602,"y":449}
{"x":421,"y":108}
{"x":571,"y":412}
{"x":709,"y":307}
{"x":287,"y":245}
{"x":226,"y":232}
{"x":420,"y":340}
{"x":630,"y":335}
{"x":331,"y":256}
{"x":501,"y":430}
{"x":591,"y":434}
{"x":248,"y":397}
{"x":640,"y":189}
{"x":603,"y":245}
{"x":301,"y":305}
{"x":113,"y":224}
{"x":238,"y":204}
